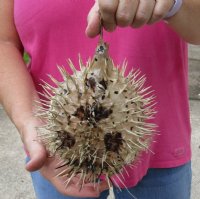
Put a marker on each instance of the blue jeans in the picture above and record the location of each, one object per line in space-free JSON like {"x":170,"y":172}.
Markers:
{"x":170,"y":183}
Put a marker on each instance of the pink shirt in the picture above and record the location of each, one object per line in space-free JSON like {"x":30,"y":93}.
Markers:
{"x":53,"y":31}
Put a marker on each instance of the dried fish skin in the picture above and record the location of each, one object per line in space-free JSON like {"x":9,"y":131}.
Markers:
{"x":97,"y":119}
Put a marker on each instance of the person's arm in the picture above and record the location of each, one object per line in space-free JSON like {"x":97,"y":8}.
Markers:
{"x":137,"y":13}
{"x":17,"y":95}
{"x":17,"y":92}
{"x":187,"y":21}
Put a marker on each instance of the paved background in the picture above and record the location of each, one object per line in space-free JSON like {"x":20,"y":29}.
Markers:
{"x":15,"y":181}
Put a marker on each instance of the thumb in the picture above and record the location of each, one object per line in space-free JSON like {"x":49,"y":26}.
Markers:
{"x":35,"y":150}
{"x":37,"y":154}
{"x":93,"y":26}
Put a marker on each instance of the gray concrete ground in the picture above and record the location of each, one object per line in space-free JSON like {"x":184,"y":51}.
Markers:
{"x":194,"y":72}
{"x":15,"y":182}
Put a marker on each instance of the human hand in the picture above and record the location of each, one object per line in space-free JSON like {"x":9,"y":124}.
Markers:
{"x":123,"y":13}
{"x":73,"y":186}
{"x":39,"y":160}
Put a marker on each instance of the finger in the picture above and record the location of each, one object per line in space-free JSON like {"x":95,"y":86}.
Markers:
{"x":74,"y":189}
{"x":93,"y":26}
{"x":103,"y":186}
{"x":126,"y":12}
{"x":144,"y":13}
{"x":108,"y":10}
{"x":161,"y":9}
{"x":34,"y":148}
{"x":37,"y":154}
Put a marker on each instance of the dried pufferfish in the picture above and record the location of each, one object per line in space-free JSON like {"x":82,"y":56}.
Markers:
{"x":96,"y":119}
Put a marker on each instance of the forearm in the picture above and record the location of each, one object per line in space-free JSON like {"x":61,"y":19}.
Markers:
{"x":186,"y":22}
{"x":17,"y":92}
